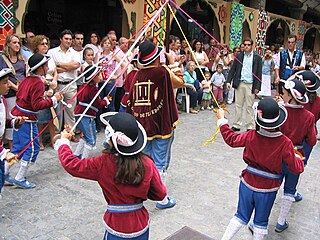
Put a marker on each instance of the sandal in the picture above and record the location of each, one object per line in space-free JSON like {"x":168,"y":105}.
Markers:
{"x":41,"y":147}
{"x":193,"y":111}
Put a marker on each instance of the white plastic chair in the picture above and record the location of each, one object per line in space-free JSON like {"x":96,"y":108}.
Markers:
{"x":186,"y":97}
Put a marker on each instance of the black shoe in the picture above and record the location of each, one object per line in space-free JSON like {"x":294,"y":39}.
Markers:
{"x":235,"y":129}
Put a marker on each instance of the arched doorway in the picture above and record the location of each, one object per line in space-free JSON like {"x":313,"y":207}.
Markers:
{"x":277,"y":32}
{"x":246,"y":33}
{"x":310,"y":39}
{"x":51,"y":17}
{"x":200,"y":11}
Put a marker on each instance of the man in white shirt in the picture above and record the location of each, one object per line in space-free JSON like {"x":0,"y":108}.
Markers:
{"x":67,"y":61}
{"x":289,"y":61}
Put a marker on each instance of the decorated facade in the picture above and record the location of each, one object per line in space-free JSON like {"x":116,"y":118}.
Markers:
{"x":228,"y":21}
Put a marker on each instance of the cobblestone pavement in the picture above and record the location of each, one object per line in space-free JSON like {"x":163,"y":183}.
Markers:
{"x":203,"y":179}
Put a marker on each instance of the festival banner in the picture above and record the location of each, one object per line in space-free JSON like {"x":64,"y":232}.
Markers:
{"x":158,"y":28}
{"x":302,"y":28}
{"x":6,"y":20}
{"x":237,"y":16}
{"x":262,"y":31}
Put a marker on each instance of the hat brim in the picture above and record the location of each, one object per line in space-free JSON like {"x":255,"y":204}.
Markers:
{"x":5,"y":72}
{"x":282,"y":118}
{"x":315,"y":87}
{"x":134,"y":149}
{"x":43,"y":61}
{"x":303,"y":100}
{"x":93,"y":74}
{"x":150,"y":60}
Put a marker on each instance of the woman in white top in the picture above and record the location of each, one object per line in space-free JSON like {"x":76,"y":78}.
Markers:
{"x":201,"y":57}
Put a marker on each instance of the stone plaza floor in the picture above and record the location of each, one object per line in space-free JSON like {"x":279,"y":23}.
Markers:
{"x":204,"y":180}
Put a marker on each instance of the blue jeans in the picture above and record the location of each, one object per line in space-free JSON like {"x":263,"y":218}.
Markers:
{"x":122,"y":108}
{"x":22,"y":137}
{"x":160,"y":151}
{"x":260,"y":202}
{"x":290,"y":181}
{"x":87,"y":126}
{"x":109,"y":236}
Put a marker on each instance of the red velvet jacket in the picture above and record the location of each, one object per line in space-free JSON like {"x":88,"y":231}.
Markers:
{"x":152,"y":101}
{"x":86,"y":96}
{"x":263,"y":152}
{"x":128,"y":86}
{"x":299,"y":126}
{"x":30,"y":97}
{"x":103,"y":169}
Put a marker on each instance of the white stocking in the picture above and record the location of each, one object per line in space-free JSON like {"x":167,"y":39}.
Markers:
{"x":87,"y":151}
{"x":21,"y":175}
{"x":80,"y":147}
{"x":285,"y":208}
{"x":234,"y":226}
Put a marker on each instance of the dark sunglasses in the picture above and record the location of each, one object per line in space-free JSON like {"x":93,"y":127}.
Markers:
{"x":247,"y":44}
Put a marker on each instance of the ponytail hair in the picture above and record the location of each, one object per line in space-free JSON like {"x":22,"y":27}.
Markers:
{"x":131,"y":170}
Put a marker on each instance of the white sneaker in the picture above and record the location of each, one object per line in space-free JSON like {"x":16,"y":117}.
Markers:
{"x":209,"y":108}
{"x":202,"y":108}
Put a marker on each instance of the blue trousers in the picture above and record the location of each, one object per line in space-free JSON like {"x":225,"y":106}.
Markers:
{"x":307,"y":151}
{"x":160,"y":151}
{"x":290,"y":181}
{"x":260,"y":202}
{"x":22,"y":137}
{"x":87,"y":126}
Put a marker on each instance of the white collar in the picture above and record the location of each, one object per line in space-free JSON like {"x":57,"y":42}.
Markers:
{"x":266,"y":133}
{"x":293,"y":105}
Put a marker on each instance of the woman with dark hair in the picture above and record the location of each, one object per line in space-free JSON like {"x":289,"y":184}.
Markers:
{"x":126,"y":175}
{"x":93,"y":41}
{"x":201,"y":57}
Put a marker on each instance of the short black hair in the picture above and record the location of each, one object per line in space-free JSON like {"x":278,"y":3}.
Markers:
{"x":292,"y":36}
{"x":64,"y":32}
{"x":247,"y":39}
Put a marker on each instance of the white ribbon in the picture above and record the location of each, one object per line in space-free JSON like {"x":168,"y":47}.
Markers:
{"x":121,"y":61}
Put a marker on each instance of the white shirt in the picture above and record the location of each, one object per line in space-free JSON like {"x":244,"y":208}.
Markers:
{"x":65,"y":57}
{"x":302,"y":64}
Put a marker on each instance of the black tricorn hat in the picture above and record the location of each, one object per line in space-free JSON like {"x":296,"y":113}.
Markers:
{"x":126,"y":133}
{"x":148,"y":52}
{"x":269,"y":114}
{"x":36,"y":61}
{"x":310,"y":79}
{"x":91,"y":73}
{"x":297,"y":89}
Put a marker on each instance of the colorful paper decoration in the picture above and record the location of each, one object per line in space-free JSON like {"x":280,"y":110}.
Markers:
{"x":6,"y":20}
{"x":158,"y":28}
{"x":262,"y":31}
{"x":302,"y":28}
{"x":237,"y":16}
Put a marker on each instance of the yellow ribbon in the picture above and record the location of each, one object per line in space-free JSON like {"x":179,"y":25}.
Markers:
{"x":198,"y":65}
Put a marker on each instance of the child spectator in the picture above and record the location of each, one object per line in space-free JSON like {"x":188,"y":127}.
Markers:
{"x":127,"y":176}
{"x":29,"y":102}
{"x":217,"y":81}
{"x":5,"y":154}
{"x":87,"y":124}
{"x":206,"y":97}
{"x":266,"y":148}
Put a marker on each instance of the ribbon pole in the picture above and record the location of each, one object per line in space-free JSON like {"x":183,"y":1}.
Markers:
{"x":119,"y":64}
